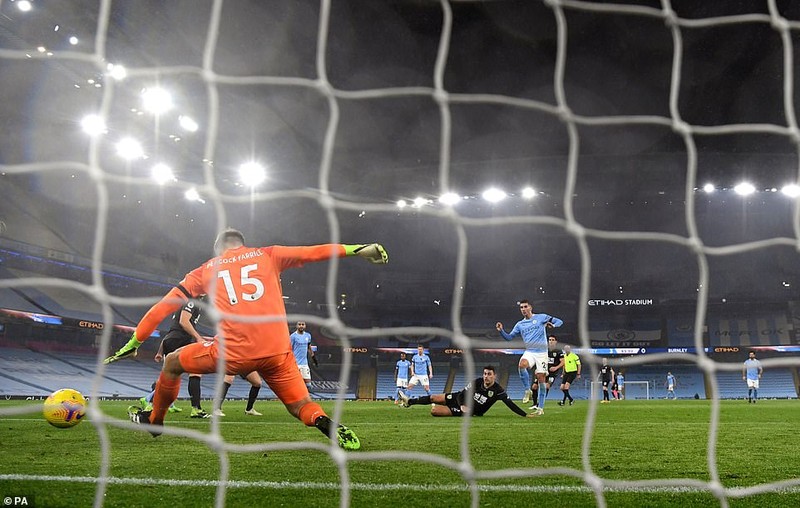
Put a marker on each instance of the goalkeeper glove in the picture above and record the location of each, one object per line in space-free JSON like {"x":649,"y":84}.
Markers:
{"x":374,"y":252}
{"x":128,"y":350}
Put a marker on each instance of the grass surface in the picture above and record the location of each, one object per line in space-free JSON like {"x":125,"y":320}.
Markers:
{"x":632,"y":440}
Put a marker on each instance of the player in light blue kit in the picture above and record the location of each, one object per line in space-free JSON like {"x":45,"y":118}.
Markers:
{"x":423,"y":371}
{"x":301,"y":347}
{"x":401,"y":371}
{"x":751,"y":372}
{"x":533,"y":329}
{"x":671,"y":386}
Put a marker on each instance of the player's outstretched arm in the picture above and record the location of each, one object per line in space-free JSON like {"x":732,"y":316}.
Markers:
{"x":129,"y":350}
{"x":503,"y":333}
{"x":512,"y":406}
{"x":292,"y":257}
{"x":173,"y":301}
{"x":373,"y":252}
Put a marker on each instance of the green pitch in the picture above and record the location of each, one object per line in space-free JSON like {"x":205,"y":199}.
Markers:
{"x":632,"y":440}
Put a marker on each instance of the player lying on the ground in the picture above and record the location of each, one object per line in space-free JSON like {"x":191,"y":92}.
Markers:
{"x":487,"y":392}
{"x":244,"y":282}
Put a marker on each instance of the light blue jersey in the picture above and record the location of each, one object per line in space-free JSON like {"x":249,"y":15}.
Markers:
{"x":620,"y":380}
{"x":421,"y":364}
{"x":752,"y":367}
{"x":403,"y":367}
{"x":300,"y":342}
{"x":533,"y":332}
{"x":670,"y":380}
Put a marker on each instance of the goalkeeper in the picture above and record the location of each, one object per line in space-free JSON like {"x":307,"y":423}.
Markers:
{"x":244,"y":283}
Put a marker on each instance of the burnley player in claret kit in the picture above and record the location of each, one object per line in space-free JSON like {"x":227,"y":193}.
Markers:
{"x":487,"y":392}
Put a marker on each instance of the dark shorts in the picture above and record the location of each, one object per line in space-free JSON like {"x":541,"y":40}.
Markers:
{"x":605,"y":383}
{"x":551,"y":379}
{"x":569,"y":377}
{"x":452,"y":401}
{"x":174,"y":341}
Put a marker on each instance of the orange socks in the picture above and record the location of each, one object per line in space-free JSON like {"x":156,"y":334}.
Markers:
{"x":166,"y":392}
{"x":310,"y":412}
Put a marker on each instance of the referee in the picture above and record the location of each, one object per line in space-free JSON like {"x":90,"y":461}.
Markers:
{"x":572,"y":371}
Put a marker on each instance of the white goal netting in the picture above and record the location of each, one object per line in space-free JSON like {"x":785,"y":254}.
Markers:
{"x":212,"y":71}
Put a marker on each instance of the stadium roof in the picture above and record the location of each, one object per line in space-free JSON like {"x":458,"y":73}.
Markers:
{"x":216,"y":126}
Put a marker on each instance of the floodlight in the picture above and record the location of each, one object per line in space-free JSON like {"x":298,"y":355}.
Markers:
{"x":24,"y":5}
{"x":494,"y":195}
{"x":73,"y":40}
{"x":419,"y":202}
{"x":162,"y":173}
{"x":792,"y":190}
{"x":744,"y":189}
{"x":401,"y":203}
{"x":187,"y":123}
{"x":252,"y":173}
{"x":709,"y":188}
{"x":449,"y":198}
{"x":192,"y":195}
{"x":93,"y":125}
{"x":528,"y":193}
{"x":129,"y":149}
{"x":156,"y":100}
{"x":117,"y":72}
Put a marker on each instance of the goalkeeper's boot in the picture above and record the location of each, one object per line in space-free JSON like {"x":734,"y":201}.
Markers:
{"x":199,"y":413}
{"x":527,"y":397}
{"x":129,"y":350}
{"x":347,"y":438}
{"x":218,"y":412}
{"x":252,"y":412}
{"x":403,"y":399}
{"x":139,"y":416}
{"x":146,"y":406}
{"x":539,"y":411}
{"x":175,"y":409}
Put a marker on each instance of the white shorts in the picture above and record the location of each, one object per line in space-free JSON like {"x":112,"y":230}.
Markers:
{"x":670,"y":388}
{"x":402,"y":383}
{"x":537,"y":361}
{"x":305,"y":371}
{"x":415,"y":380}
{"x":752,"y":383}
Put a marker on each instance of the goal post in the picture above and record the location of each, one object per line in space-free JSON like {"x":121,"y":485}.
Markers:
{"x":633,"y":390}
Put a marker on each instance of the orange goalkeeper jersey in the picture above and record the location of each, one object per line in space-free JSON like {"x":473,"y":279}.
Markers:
{"x":246,"y":287}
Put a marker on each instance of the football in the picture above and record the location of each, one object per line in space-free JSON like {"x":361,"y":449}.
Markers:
{"x":64,"y":408}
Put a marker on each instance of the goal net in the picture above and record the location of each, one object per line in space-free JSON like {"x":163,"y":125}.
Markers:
{"x":631,"y":390}
{"x":630,"y":167}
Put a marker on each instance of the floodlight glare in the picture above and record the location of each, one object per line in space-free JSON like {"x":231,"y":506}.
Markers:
{"x":162,"y":173}
{"x":494,"y":195}
{"x":156,"y":100}
{"x":528,"y":193}
{"x":193,"y":195}
{"x":187,"y":123}
{"x":117,"y":72}
{"x":93,"y":125}
{"x":449,"y":198}
{"x":420,"y":202}
{"x":24,"y":5}
{"x":792,"y":190}
{"x":252,"y":173}
{"x":73,"y":40}
{"x":401,"y":203}
{"x":129,"y":149}
{"x":709,"y":188}
{"x":744,"y":189}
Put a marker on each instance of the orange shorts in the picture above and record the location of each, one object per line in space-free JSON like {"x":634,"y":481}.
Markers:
{"x":280,"y":371}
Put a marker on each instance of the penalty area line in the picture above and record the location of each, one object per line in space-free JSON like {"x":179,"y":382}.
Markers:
{"x":238,"y":484}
